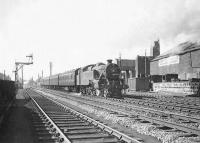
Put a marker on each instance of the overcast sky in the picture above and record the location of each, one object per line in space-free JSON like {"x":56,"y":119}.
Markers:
{"x":74,"y":33}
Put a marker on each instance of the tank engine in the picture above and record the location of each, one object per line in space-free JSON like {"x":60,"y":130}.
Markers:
{"x":107,"y":80}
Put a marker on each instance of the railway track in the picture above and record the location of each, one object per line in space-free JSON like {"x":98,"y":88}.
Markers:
{"x":163,"y":105}
{"x":186,"y":105}
{"x":126,"y":110}
{"x":55,"y":122}
{"x":130,"y":104}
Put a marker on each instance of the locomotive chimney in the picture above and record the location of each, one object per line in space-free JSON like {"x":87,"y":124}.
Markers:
{"x":109,"y":61}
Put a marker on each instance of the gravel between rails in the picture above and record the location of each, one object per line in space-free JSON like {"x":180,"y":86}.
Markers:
{"x":143,"y":128}
{"x":185,"y":105}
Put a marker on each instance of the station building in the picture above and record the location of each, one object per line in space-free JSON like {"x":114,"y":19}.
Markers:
{"x":183,"y":60}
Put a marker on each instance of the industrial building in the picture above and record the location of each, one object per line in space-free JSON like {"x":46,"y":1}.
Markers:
{"x":137,"y":71}
{"x":182,"y":60}
{"x":142,"y":66}
{"x":142,"y":71}
{"x":180,"y":63}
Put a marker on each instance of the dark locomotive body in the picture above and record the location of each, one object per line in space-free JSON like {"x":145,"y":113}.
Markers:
{"x":97,"y":79}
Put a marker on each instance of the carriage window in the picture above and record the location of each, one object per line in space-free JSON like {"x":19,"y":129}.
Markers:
{"x":96,"y":74}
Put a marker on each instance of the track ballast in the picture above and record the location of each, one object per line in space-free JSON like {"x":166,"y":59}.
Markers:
{"x":67,"y":125}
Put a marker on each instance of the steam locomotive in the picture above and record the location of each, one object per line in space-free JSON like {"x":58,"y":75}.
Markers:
{"x":96,"y":79}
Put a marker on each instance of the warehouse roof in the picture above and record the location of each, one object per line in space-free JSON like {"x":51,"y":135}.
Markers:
{"x":180,"y":49}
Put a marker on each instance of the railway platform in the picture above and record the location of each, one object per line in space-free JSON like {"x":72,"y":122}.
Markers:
{"x":16,"y":125}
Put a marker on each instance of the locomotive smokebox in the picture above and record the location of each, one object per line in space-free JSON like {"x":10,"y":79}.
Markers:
{"x":109,"y":61}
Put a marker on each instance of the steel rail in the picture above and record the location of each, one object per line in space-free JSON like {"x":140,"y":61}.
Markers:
{"x":62,"y":136}
{"x":155,"y":120}
{"x":165,"y":112}
{"x":171,"y":104}
{"x":114,"y":132}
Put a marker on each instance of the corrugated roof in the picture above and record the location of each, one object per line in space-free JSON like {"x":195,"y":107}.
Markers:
{"x":180,"y":49}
